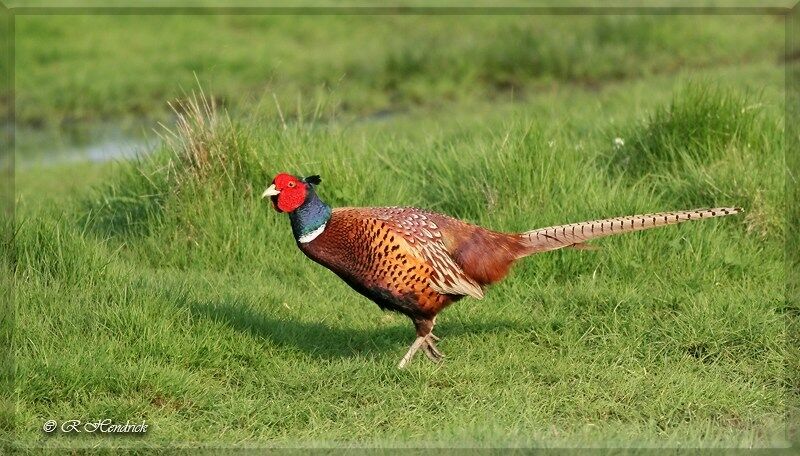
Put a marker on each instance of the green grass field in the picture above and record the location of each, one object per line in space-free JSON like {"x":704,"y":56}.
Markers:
{"x":166,"y":290}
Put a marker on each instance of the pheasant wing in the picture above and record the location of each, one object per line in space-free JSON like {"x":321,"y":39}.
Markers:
{"x":424,"y":238}
{"x":447,"y":277}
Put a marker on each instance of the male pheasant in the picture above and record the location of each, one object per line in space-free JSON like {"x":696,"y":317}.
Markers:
{"x":418,"y":262}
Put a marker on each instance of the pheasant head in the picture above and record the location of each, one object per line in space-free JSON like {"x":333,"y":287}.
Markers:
{"x":289,"y":192}
{"x":296,"y":196}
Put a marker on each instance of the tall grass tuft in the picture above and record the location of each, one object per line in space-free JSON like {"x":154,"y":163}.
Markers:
{"x":200,"y":151}
{"x":197,"y":199}
{"x":196,"y":137}
{"x":700,"y":123}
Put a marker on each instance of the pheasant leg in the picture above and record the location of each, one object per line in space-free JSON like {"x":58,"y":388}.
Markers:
{"x":420,"y":341}
{"x":430,"y":334}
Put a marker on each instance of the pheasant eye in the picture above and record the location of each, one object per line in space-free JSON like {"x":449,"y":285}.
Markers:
{"x":290,"y":185}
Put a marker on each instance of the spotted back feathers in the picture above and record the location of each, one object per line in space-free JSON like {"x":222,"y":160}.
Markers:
{"x":425,"y":241}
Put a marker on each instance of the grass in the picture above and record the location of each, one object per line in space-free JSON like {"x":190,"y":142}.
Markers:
{"x":190,"y":298}
{"x":166,"y":290}
{"x":356,"y":64}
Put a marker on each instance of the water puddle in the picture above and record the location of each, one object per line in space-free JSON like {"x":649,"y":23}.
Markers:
{"x":108,"y":141}
{"x":92,"y":144}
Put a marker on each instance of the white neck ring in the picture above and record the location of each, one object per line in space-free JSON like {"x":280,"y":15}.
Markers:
{"x":306,"y":238}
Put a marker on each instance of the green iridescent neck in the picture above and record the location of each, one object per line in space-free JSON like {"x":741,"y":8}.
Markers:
{"x":310,"y":216}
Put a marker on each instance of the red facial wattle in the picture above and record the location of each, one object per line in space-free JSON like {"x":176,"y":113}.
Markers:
{"x":292,"y":193}
{"x":291,"y":198}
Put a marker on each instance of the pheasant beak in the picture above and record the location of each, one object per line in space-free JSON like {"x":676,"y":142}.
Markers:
{"x":271,"y":191}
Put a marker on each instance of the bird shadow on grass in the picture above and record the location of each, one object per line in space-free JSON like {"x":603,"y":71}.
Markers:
{"x":330,"y":342}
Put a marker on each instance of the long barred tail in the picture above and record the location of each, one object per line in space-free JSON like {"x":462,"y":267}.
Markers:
{"x":556,"y":237}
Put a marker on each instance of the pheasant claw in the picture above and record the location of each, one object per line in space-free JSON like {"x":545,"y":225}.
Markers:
{"x":420,"y":341}
{"x":433,"y":353}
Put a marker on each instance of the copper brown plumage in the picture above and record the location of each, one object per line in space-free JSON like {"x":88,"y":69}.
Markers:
{"x":418,"y":262}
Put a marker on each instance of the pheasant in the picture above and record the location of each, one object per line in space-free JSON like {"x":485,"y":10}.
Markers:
{"x":418,"y":262}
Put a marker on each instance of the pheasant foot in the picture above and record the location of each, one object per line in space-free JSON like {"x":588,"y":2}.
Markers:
{"x":425,"y":342}
{"x":433,"y":353}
